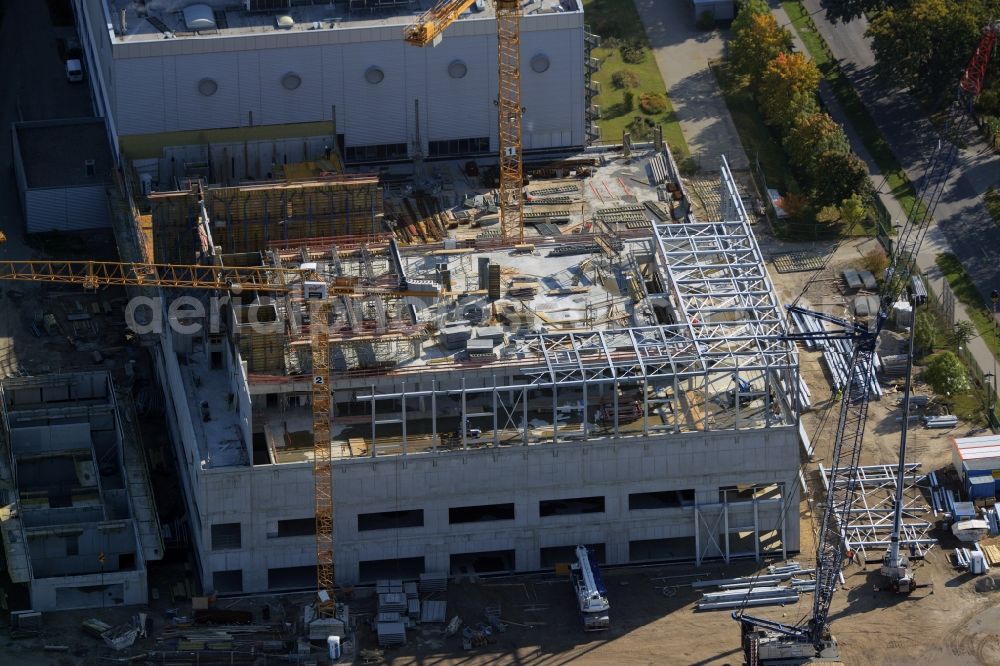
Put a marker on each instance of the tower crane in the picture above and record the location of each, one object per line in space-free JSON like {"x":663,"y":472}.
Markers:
{"x":427,"y":31}
{"x":766,"y":641}
{"x":94,"y":274}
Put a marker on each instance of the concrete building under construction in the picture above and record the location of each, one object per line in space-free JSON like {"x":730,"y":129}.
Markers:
{"x":82,"y":525}
{"x":622,"y":384}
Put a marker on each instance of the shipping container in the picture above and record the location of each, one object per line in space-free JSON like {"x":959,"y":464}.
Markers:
{"x":980,"y":487}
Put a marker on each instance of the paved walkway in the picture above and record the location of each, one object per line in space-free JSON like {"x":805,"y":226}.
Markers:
{"x":936,"y":240}
{"x":682,"y":53}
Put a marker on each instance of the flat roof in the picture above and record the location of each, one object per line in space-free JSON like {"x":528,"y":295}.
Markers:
{"x":56,"y":153}
{"x":166,"y":19}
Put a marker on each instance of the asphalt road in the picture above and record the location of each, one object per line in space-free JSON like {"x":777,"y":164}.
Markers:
{"x":962,"y":219}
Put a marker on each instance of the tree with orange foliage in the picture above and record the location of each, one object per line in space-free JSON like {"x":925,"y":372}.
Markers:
{"x":788,"y":88}
{"x":757,"y":39}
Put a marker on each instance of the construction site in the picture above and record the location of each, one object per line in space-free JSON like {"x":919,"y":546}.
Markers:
{"x":622,"y":377}
{"x":414,"y":393}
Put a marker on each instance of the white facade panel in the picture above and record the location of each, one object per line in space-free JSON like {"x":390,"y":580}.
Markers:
{"x":66,"y":209}
{"x":375,"y":113}
{"x":455,"y":106}
{"x":248,"y":85}
{"x":219,"y":109}
{"x":152,"y":102}
{"x":300,"y":79}
{"x":279,"y":70}
{"x":552,"y":104}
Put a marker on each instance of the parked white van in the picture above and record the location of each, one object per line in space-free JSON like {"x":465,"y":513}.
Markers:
{"x":74,"y":71}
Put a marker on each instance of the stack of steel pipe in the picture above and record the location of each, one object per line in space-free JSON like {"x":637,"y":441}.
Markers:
{"x":758,"y":596}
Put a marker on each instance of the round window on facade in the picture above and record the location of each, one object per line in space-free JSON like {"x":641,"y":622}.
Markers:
{"x":207,"y":87}
{"x":457,"y":69}
{"x":374,"y":75}
{"x":291,"y":81}
{"x":540,"y":63}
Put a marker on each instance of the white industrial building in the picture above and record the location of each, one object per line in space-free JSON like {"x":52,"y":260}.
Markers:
{"x":179,"y":73}
{"x":460,"y":446}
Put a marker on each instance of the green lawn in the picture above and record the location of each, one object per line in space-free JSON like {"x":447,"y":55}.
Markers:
{"x":992,"y":200}
{"x":617,"y":21}
{"x":850,"y":102}
{"x":755,"y":136}
{"x":965,"y":291}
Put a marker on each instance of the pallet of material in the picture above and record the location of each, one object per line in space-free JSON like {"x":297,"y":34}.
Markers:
{"x":992,"y":554}
{"x":358,"y":446}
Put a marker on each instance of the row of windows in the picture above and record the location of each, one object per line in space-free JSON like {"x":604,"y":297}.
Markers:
{"x":376,"y":152}
{"x":482,"y":513}
{"x":304,"y":577}
{"x":480,"y":144}
{"x":229,"y":536}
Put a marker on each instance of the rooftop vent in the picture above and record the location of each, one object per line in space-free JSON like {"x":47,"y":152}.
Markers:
{"x":199,"y":17}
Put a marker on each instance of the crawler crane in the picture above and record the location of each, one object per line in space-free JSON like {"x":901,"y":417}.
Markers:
{"x":769,"y":642}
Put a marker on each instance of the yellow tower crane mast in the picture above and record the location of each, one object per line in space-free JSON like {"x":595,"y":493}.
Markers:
{"x":94,"y":274}
{"x":427,"y":31}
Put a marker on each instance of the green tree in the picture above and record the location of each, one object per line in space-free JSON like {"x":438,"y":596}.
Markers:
{"x":961,"y":333}
{"x":757,"y":40}
{"x":946,"y":374}
{"x":853,"y":210}
{"x":811,"y":135}
{"x":926,"y":44}
{"x":925,"y":333}
{"x":838,"y":176}
{"x":788,"y":88}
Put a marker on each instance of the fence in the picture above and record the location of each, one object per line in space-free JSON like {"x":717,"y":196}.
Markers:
{"x":983,"y":382}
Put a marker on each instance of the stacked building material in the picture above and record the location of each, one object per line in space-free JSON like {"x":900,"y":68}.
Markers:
{"x":433,"y":582}
{"x":522,"y":289}
{"x":456,"y":336}
{"x":413,"y":609}
{"x":894,"y":365}
{"x":658,"y":165}
{"x":432,"y":612}
{"x":549,"y":201}
{"x":836,"y":355}
{"x":661,"y":212}
{"x":943,"y":421}
{"x":573,"y":249}
{"x":559,"y":189}
{"x":479,"y":348}
{"x":762,"y":590}
{"x":392,"y":602}
{"x":390,"y":633}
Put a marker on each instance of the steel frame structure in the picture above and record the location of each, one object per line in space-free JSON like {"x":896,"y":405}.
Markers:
{"x":869,"y":521}
{"x":730,"y":322}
